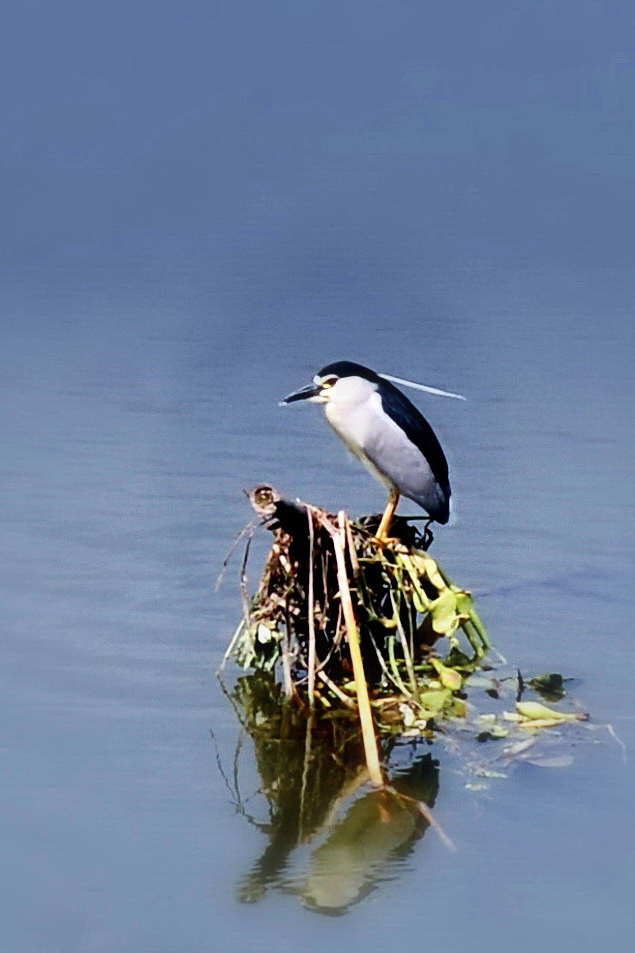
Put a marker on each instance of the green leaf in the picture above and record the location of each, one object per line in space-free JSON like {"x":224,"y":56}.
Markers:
{"x":431,"y":570}
{"x":411,"y":565}
{"x":536,"y":711}
{"x":434,"y":700}
{"x":444,"y":615}
{"x":464,"y":602}
{"x":419,"y":599}
{"x":448,"y":677}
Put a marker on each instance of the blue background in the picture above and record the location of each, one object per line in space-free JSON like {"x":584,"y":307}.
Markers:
{"x":203,"y":203}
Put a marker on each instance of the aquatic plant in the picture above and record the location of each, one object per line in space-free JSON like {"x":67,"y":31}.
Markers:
{"x":375,"y":627}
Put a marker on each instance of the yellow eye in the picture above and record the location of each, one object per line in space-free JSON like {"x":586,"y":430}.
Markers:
{"x":328,"y":382}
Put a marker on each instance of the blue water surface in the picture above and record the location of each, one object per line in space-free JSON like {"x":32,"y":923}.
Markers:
{"x":204,"y":203}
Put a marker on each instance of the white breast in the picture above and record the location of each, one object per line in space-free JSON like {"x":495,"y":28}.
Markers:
{"x":382,"y":446}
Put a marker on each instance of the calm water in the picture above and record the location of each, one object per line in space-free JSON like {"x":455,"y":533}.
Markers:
{"x":184,"y":247}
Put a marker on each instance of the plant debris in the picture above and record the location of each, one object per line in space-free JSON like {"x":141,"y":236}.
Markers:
{"x":377,"y":629}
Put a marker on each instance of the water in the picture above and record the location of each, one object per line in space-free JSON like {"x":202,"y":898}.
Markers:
{"x":186,"y":243}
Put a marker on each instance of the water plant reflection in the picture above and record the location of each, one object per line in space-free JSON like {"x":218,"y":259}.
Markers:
{"x":313,"y":778}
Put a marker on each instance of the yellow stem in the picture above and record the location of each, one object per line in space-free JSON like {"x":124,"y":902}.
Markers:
{"x":352,"y":634}
{"x":311,"y":601}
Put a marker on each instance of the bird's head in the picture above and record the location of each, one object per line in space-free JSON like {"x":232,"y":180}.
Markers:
{"x":343,"y":382}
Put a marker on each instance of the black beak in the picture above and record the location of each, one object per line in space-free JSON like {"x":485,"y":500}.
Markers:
{"x":310,"y":391}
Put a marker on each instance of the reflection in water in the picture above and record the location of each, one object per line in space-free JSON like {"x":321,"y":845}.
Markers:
{"x":312,"y":774}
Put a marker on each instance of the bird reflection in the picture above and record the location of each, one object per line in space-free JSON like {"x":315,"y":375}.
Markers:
{"x":313,"y":777}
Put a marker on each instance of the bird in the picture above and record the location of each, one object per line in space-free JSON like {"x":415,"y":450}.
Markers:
{"x":387,"y":433}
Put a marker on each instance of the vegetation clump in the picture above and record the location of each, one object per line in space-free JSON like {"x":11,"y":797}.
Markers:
{"x":357,"y":622}
{"x":348,"y":632}
{"x":418,"y":633}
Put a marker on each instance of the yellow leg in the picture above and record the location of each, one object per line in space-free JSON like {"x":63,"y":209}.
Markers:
{"x":389,"y":512}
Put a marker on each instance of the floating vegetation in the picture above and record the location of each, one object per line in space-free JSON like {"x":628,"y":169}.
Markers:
{"x":378,"y":630}
{"x":362,"y":656}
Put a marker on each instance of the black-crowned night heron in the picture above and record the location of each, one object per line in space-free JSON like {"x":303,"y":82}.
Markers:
{"x":387,"y":433}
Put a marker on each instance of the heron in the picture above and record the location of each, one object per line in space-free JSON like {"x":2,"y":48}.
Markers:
{"x":387,"y":433}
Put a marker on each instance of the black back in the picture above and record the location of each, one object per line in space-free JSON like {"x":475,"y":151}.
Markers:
{"x":417,"y":429}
